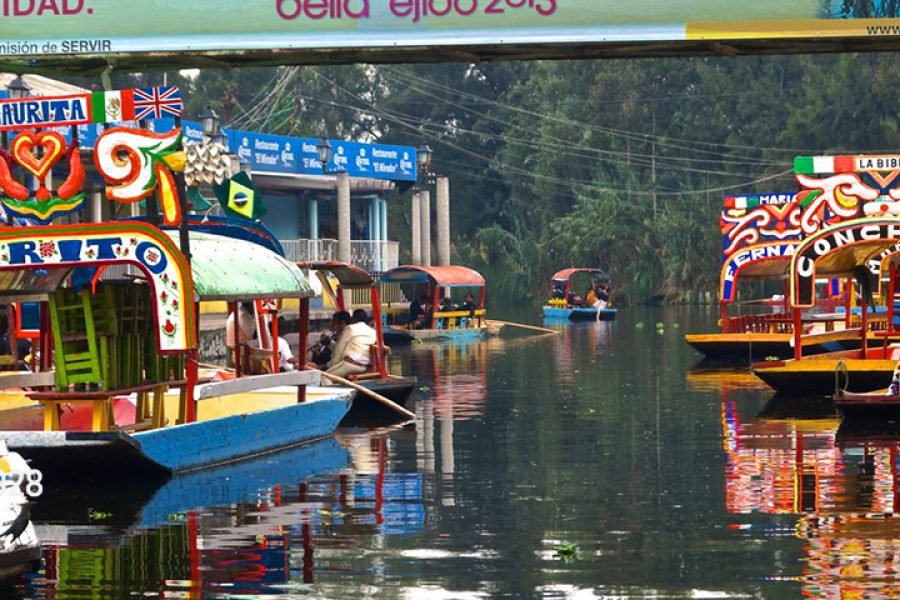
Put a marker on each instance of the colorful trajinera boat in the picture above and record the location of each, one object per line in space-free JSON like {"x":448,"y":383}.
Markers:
{"x":118,"y":334}
{"x":378,"y":379}
{"x":564,"y":303}
{"x":760,"y":234}
{"x":860,"y":240}
{"x":434,"y":322}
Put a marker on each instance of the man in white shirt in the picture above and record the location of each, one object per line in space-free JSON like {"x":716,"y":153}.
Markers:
{"x":246,"y":323}
{"x":351,"y":352}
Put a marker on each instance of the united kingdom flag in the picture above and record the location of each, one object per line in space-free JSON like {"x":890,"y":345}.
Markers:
{"x":157,"y":102}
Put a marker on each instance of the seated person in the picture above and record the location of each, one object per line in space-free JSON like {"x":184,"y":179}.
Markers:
{"x":590,"y":297}
{"x":247,"y":324}
{"x":559,"y":291}
{"x":286,"y":359}
{"x":321,"y":352}
{"x":447,"y":305}
{"x":602,"y":295}
{"x":469,"y":304}
{"x":417,"y":311}
{"x":351,"y":352}
{"x":361,"y":316}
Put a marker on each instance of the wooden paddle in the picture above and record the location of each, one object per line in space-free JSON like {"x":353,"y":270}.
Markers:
{"x":522,"y":326}
{"x":364,"y":390}
{"x":346,"y":382}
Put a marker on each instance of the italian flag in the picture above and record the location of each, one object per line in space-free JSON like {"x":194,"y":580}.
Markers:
{"x":112,"y":107}
{"x":811,"y":165}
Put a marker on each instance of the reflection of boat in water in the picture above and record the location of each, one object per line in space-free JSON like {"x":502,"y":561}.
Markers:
{"x":259,"y":526}
{"x":707,"y":378}
{"x":153,"y":503}
{"x":841,"y":479}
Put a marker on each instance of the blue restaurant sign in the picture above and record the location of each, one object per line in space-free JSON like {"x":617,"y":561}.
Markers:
{"x":281,"y":154}
{"x":290,"y":155}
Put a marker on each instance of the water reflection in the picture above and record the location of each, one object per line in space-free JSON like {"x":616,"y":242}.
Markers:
{"x":263,"y":523}
{"x":841,"y":478}
{"x":662,"y":480}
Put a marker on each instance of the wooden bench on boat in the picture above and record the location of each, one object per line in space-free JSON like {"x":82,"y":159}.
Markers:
{"x":101,"y":404}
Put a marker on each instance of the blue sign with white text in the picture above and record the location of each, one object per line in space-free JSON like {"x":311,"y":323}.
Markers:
{"x":290,"y":155}
{"x":282,"y":154}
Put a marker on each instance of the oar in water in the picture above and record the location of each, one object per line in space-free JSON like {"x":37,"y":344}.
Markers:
{"x":366,"y":391}
{"x":522,"y":326}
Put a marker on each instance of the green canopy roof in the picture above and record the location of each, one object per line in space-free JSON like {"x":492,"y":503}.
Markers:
{"x":226,"y":268}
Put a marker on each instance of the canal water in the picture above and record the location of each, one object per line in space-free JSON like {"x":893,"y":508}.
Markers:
{"x":600,"y":462}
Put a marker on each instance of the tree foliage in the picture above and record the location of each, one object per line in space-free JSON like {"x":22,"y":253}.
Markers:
{"x":615,"y":164}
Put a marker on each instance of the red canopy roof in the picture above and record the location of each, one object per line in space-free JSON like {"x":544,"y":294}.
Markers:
{"x":565,"y":274}
{"x":447,"y":276}
{"x":348,"y":276}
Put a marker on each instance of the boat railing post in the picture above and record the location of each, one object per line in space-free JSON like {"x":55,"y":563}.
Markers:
{"x":301,"y":350}
{"x":798,"y":334}
{"x":379,"y":332}
{"x":864,"y":325}
{"x":191,"y":366}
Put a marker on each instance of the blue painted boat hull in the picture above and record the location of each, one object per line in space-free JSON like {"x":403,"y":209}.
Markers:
{"x":99,"y":455}
{"x":579,"y":314}
{"x":405,"y":336}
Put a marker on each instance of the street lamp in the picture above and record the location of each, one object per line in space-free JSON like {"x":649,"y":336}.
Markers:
{"x":209,"y":121}
{"x":323,"y":153}
{"x":18,"y":89}
{"x":423,"y":158}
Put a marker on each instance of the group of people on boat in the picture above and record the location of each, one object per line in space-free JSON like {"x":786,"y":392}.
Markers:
{"x":596,"y":296}
{"x":344,"y":349}
{"x":420,"y":310}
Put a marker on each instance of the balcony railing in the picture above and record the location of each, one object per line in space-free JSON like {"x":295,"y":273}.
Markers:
{"x":374,"y":257}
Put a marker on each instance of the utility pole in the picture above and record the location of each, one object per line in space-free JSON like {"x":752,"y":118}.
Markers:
{"x":653,"y":158}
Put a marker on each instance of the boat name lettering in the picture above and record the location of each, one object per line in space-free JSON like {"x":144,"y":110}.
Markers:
{"x":878,"y":163}
{"x":874,"y":264}
{"x":38,"y":252}
{"x":747,"y":256}
{"x":776,"y":198}
{"x":805,"y":261}
{"x":38,"y":112}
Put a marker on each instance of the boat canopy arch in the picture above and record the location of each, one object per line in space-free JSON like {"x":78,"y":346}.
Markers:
{"x":232,"y":269}
{"x":762,"y":261}
{"x":566,"y":274}
{"x":348,"y":276}
{"x":443,"y":276}
{"x":837,"y":252}
{"x":37,"y":261}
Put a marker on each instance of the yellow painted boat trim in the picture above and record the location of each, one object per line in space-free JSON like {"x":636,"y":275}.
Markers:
{"x":731,"y":338}
{"x":808,"y":365}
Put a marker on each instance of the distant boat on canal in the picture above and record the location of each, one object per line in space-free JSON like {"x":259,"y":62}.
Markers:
{"x":432,"y":316}
{"x":593,"y":305}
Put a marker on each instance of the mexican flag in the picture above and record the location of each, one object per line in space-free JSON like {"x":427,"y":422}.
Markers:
{"x":112,"y":107}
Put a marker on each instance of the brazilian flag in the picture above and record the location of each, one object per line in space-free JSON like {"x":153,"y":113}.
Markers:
{"x":237,"y":196}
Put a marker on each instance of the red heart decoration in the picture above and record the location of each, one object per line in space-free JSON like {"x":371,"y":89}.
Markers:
{"x":23,"y":147}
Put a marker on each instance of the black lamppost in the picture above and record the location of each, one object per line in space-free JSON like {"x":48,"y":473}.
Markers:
{"x":323,"y":153}
{"x":209,"y":122}
{"x":18,"y":88}
{"x":424,"y":155}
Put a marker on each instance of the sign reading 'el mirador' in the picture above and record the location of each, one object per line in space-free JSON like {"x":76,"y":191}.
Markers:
{"x":42,"y":28}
